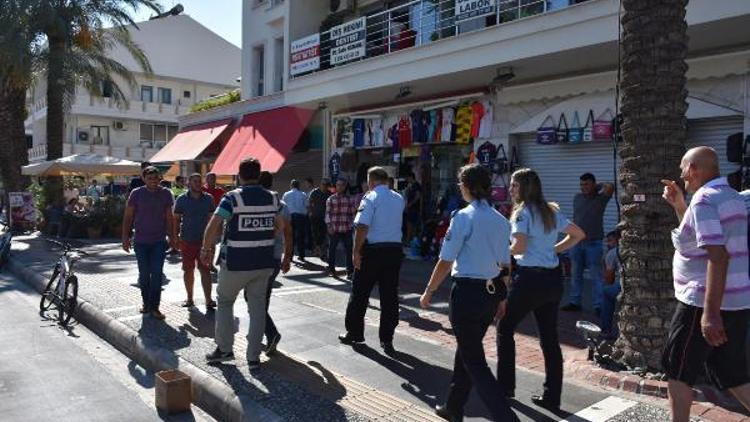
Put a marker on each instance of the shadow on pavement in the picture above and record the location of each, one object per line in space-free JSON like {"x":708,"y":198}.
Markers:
{"x":538,"y":416}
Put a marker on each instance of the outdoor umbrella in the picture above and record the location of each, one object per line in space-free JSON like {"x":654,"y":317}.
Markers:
{"x":83,"y":164}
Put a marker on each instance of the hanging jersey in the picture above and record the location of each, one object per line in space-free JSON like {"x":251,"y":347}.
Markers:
{"x":376,"y":132}
{"x":358,"y":127}
{"x":447,"y":125}
{"x":432,"y":126}
{"x":485,"y":125}
{"x":486,"y":154}
{"x":477,"y":112}
{"x":404,"y":133}
{"x":418,"y":127}
{"x":334,"y":167}
{"x":463,"y":124}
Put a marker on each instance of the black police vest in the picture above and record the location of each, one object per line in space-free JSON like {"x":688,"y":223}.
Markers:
{"x":249,"y":235}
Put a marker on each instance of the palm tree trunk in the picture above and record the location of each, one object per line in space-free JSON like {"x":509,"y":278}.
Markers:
{"x":13,"y":152}
{"x":56,"y":89}
{"x":654,"y":131}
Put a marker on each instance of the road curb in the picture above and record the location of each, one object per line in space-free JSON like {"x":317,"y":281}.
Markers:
{"x":211,"y":395}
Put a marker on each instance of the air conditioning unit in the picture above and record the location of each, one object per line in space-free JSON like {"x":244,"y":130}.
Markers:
{"x":118,"y":125}
{"x":342,"y":6}
{"x":83,"y":136}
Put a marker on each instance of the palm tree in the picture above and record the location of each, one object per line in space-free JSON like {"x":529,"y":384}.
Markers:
{"x":80,"y":34}
{"x":654,"y":131}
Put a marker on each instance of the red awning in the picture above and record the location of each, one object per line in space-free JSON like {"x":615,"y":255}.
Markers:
{"x":190,"y":142}
{"x":268,"y":136}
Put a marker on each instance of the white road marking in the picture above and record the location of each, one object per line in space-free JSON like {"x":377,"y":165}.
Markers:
{"x":603,"y":410}
{"x":119,"y":309}
{"x":285,"y":292}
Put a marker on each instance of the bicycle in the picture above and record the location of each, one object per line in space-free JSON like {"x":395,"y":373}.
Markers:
{"x":62,"y":288}
{"x":5,"y":238}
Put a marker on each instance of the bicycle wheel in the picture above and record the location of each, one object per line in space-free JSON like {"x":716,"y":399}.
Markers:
{"x":69,"y":300}
{"x":48,"y":292}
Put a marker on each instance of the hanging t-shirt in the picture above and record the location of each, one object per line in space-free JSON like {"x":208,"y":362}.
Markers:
{"x":376,"y":132}
{"x":343,"y":132}
{"x":392,"y":135}
{"x":486,"y":154}
{"x":485,"y":126}
{"x":432,"y":119}
{"x":418,"y":127}
{"x":358,"y":128}
{"x":477,"y":112}
{"x":447,"y":125}
{"x":334,"y":167}
{"x":404,"y":132}
{"x":396,"y":146}
{"x":464,"y":120}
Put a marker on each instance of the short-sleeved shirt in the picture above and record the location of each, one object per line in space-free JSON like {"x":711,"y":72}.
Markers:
{"x":404,"y":133}
{"x":588,"y":214}
{"x":317,"y":202}
{"x":716,"y":216}
{"x":540,"y":244}
{"x":381,"y":210}
{"x":477,"y":110}
{"x":296,"y":200}
{"x":216,"y":192}
{"x":195,"y":213}
{"x":150,"y":213}
{"x":177,"y":191}
{"x":358,"y":127}
{"x":477,"y":242}
{"x":464,"y":120}
{"x":612,"y":262}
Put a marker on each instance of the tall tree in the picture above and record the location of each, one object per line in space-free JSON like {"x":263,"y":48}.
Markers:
{"x":80,"y":36}
{"x":654,"y":130}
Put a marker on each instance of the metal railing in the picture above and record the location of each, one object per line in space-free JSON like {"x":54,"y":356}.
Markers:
{"x":420,"y":22}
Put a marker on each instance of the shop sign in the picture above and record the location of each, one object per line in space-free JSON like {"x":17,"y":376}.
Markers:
{"x":305,"y":55}
{"x":22,"y":209}
{"x":348,"y":41}
{"x":472,"y":9}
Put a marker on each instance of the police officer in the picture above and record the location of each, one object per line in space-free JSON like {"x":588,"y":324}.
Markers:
{"x":474,"y":251}
{"x":246,"y":260}
{"x":377,"y":257}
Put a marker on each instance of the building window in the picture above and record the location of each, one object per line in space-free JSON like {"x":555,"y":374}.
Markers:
{"x":260,"y":64}
{"x":147,"y":94}
{"x":171,"y":132}
{"x":157,"y":134}
{"x":29,"y":141}
{"x":107,"y":89}
{"x":147,"y":132}
{"x":99,"y":135}
{"x":165,"y":95}
{"x":278,"y":65}
{"x":186,"y":94}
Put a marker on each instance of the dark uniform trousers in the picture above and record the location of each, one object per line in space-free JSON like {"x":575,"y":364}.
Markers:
{"x":381,"y":264}
{"x":472,"y":310}
{"x":299,"y":230}
{"x":538,"y":291}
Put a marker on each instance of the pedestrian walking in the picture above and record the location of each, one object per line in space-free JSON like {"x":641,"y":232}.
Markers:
{"x":413,"y":197}
{"x":340,"y":219}
{"x":246,"y":260}
{"x":537,"y":284}
{"x":588,"y":214}
{"x":377,"y":258}
{"x":192,"y":210}
{"x":149,"y":212}
{"x":282,"y":248}
{"x":179,"y":187}
{"x":296,"y":200}
{"x":316,"y":205}
{"x":710,"y":271}
{"x":216,"y":191}
{"x":476,"y":255}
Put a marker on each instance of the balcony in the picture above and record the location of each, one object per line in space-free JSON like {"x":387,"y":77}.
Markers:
{"x":134,"y":153}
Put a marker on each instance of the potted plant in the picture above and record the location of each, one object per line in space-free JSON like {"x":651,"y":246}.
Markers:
{"x":114,"y":208}
{"x":95,"y":220}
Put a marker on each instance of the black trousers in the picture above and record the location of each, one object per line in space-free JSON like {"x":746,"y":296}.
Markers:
{"x":271,"y":330}
{"x":333,"y":242}
{"x":318,"y":230}
{"x":538,"y":291}
{"x":381,"y":266}
{"x":299,"y":234}
{"x":472,"y":310}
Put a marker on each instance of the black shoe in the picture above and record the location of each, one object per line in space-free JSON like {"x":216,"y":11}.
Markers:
{"x":253,"y":365}
{"x":545,"y":403}
{"x":347,"y":339}
{"x":388,"y":348}
{"x":350,"y":275}
{"x":219,"y":356}
{"x":571,"y":307}
{"x":445,"y":413}
{"x":509,"y":394}
{"x":272,"y":343}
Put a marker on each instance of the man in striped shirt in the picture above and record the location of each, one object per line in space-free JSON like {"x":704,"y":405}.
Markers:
{"x":710,"y":271}
{"x":339,"y":217}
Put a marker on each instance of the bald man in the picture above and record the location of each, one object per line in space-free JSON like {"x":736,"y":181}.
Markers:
{"x":710,"y":271}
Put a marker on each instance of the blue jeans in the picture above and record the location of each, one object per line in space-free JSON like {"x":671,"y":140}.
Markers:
{"x":150,"y":258}
{"x":586,"y":254}
{"x":609,"y":301}
{"x":333,"y":242}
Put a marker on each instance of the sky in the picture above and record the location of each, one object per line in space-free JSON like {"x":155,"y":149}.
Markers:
{"x":223,"y":17}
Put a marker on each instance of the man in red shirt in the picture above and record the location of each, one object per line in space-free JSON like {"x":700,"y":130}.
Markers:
{"x":216,"y":191}
{"x":339,"y":217}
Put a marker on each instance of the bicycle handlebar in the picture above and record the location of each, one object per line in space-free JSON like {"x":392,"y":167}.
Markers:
{"x":67,"y":247}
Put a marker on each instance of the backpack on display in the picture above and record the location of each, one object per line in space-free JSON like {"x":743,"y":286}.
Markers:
{"x":588,"y":128}
{"x":546,"y":134}
{"x":562,"y":130}
{"x":575,"y":132}
{"x":603,"y":126}
{"x":500,"y":166}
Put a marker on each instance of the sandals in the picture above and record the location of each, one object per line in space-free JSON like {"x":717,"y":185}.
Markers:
{"x":211,"y":305}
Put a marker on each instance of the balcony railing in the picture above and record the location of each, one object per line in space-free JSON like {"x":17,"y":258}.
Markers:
{"x":409,"y":25}
{"x":135,"y":153}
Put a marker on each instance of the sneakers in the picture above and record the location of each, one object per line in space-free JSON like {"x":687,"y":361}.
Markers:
{"x":219,"y":356}
{"x":388,"y":348}
{"x":271,"y":348}
{"x":158,"y":315}
{"x":349,"y":340}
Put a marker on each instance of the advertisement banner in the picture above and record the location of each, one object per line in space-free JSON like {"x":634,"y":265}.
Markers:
{"x":348,"y":41}
{"x":22,"y":209}
{"x":305,"y":55}
{"x":472,"y":9}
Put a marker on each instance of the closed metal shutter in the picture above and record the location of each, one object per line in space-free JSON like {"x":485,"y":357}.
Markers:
{"x":560,"y":166}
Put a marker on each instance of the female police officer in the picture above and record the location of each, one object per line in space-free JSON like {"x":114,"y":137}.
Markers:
{"x":537,"y":283}
{"x":475,"y":248}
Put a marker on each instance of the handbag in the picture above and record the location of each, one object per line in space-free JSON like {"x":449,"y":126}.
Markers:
{"x":575,"y":132}
{"x":562,"y":130}
{"x":515,"y":164}
{"x":499,"y":193}
{"x":500,"y":166}
{"x":603,"y":128}
{"x":588,"y":128}
{"x":546,"y":133}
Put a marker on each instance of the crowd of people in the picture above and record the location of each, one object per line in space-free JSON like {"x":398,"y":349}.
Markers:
{"x":501,"y":269}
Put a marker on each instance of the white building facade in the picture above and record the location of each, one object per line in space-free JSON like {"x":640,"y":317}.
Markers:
{"x":368,"y":65}
{"x":190,"y":63}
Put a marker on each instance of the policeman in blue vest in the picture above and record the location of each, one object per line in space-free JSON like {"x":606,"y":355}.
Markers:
{"x":246,"y":260}
{"x":377,"y":257}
